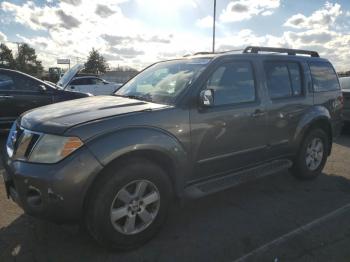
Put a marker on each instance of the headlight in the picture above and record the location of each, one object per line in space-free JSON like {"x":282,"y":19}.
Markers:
{"x":52,"y":148}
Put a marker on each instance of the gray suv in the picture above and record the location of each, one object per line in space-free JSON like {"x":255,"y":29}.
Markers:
{"x":181,"y":128}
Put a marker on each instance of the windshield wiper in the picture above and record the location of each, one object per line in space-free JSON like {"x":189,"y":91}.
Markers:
{"x":135,"y":97}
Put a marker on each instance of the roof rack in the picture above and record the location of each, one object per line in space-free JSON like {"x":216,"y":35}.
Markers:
{"x":257,"y":49}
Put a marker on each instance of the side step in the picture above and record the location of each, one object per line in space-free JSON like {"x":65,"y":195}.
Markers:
{"x":221,"y":183}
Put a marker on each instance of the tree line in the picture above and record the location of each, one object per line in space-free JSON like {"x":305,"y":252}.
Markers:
{"x":27,"y":62}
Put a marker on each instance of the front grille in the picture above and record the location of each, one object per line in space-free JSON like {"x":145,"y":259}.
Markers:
{"x":21,"y":142}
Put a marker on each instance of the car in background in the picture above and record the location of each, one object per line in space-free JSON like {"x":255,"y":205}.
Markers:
{"x":345,"y":85}
{"x":94,"y":85}
{"x":20,"y":92}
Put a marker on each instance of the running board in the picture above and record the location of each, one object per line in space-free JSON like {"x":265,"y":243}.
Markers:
{"x":221,"y":183}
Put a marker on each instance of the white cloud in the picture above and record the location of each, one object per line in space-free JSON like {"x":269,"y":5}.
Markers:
{"x":245,"y":9}
{"x":73,"y":31}
{"x":3,"y":37}
{"x":322,"y":18}
{"x":205,"y":22}
{"x":126,"y":41}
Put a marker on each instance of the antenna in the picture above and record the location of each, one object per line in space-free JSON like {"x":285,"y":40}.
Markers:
{"x":214,"y":18}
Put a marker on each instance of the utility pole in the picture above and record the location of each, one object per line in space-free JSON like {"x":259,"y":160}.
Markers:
{"x":18,"y":45}
{"x":214,"y":20}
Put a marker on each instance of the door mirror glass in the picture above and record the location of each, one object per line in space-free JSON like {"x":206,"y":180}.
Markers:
{"x":207,"y":98}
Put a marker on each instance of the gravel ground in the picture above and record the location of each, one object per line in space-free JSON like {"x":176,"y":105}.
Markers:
{"x":220,"y":227}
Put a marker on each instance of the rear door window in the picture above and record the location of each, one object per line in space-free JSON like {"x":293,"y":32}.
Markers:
{"x":283,"y":79}
{"x":324,"y":77}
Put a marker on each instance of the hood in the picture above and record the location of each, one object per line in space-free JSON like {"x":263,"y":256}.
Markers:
{"x":68,"y":76}
{"x":57,"y":118}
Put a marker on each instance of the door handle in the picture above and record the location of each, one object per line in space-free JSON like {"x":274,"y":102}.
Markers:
{"x":6,"y":97}
{"x":258,"y":113}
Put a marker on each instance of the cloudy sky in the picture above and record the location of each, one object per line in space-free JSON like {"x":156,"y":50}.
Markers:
{"x":138,"y":32}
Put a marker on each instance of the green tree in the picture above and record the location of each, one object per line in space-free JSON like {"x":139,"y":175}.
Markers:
{"x":96,"y":63}
{"x":6,"y":57}
{"x":26,"y":61}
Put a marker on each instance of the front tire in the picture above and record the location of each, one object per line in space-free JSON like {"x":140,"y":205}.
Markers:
{"x":312,"y":155}
{"x":127,"y":207}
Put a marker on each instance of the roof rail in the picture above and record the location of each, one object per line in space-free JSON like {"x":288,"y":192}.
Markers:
{"x":257,"y":49}
{"x":203,"y":53}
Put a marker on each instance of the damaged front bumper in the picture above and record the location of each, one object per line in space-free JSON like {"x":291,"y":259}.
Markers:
{"x":54,"y":192}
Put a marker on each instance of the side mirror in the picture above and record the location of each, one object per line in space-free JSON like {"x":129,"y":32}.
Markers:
{"x":42,"y":88}
{"x":72,"y":87}
{"x":207,"y":98}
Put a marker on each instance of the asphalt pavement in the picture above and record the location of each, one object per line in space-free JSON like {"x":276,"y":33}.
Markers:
{"x":276,"y":218}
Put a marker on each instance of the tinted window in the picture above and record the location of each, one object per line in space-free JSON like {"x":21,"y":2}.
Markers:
{"x":97,"y":81}
{"x":78,"y":82}
{"x":6,"y":82}
{"x":283,"y":79}
{"x":324,"y":77}
{"x":295,"y":76}
{"x":24,"y":83}
{"x":233,"y":83}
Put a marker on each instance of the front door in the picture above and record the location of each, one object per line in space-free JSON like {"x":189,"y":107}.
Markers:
{"x":230,"y":134}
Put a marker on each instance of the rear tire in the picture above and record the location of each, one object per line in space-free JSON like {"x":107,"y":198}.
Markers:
{"x":312,"y":155}
{"x":129,"y":204}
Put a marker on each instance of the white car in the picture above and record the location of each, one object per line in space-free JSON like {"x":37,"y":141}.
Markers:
{"x":86,"y":84}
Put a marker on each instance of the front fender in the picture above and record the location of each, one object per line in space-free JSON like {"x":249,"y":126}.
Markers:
{"x":113,"y":145}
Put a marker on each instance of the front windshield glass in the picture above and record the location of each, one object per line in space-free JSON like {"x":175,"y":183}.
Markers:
{"x":163,"y":82}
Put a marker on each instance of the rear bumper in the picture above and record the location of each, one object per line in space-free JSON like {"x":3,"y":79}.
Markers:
{"x":54,"y":192}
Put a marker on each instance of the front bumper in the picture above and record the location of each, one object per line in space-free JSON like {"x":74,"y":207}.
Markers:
{"x":54,"y":192}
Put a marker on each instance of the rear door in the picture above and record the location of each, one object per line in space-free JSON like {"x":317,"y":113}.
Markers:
{"x":286,"y":83}
{"x":231,"y":134}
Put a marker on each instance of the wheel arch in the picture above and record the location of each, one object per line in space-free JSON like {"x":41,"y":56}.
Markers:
{"x":152,"y":144}
{"x":317,"y":118}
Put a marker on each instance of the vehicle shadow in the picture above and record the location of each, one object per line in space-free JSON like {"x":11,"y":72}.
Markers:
{"x":220,"y":227}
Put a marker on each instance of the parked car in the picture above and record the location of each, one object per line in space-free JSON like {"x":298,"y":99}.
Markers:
{"x":20,"y":92}
{"x":86,"y":84}
{"x":181,"y":128}
{"x":345,"y":84}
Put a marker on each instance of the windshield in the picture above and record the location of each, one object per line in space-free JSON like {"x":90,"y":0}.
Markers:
{"x":345,"y":82}
{"x":163,"y":82}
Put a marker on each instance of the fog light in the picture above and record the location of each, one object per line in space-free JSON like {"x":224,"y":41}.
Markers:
{"x":34,"y":197}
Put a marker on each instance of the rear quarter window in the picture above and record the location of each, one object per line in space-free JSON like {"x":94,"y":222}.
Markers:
{"x":324,"y":77}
